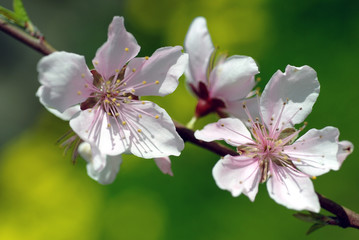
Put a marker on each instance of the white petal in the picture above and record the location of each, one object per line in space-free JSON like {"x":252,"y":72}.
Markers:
{"x":101,"y":131}
{"x":293,"y":191}
{"x":238,"y":174}
{"x":316,"y":151}
{"x":110,"y":165}
{"x":233,"y":79}
{"x":232,"y":130}
{"x":345,"y":148}
{"x":67,"y":114}
{"x":119,"y":48}
{"x":164,"y":164}
{"x":92,"y":155}
{"x":235,"y":109}
{"x":199,"y":46}
{"x":159,"y":74}
{"x":153,"y":133}
{"x":63,"y":77}
{"x":298,"y":85}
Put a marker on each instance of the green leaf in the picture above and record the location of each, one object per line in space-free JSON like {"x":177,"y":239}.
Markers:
{"x":315,"y":227}
{"x":20,"y":11}
{"x":8,"y":14}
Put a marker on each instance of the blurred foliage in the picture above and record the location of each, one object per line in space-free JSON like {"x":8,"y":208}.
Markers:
{"x":42,"y":196}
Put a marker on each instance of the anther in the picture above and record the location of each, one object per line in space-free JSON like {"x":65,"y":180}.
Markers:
{"x":117,"y":114}
{"x":133,"y":90}
{"x":157,"y":117}
{"x":79,"y":93}
{"x":117,"y":70}
{"x":118,"y":104}
{"x":83,"y":75}
{"x":108,"y":113}
{"x":86,"y":85}
{"x":123,"y":122}
{"x":126,"y":49}
{"x":143,"y":102}
{"x":96,"y":62}
{"x":157,"y":82}
{"x":139,"y":130}
{"x":222,"y":125}
{"x":118,"y":81}
{"x":129,"y":97}
{"x":114,"y":99}
{"x":139,"y":115}
{"x":313,"y":177}
{"x":144,"y":82}
{"x":108,"y":125}
{"x":133,"y":69}
{"x":146,"y":57}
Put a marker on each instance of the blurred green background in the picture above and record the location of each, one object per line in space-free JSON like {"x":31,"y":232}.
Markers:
{"x":42,"y":196}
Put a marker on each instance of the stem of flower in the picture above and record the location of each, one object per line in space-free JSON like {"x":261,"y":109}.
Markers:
{"x":346,"y":217}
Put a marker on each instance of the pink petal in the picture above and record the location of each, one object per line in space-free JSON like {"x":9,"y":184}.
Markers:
{"x":119,"y":48}
{"x":110,"y":165}
{"x":199,"y":46}
{"x":238,"y":174}
{"x":64,"y":78}
{"x":291,"y":190}
{"x":233,"y":79}
{"x":345,"y":148}
{"x":159,"y":74}
{"x":94,"y":128}
{"x":298,"y":85}
{"x":164,"y":164}
{"x":232,"y":130}
{"x":153,"y":133}
{"x":316,"y":151}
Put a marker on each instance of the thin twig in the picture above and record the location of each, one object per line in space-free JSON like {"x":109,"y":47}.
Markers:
{"x":37,"y":43}
{"x":345,"y":217}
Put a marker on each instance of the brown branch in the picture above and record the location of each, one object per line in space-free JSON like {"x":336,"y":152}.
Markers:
{"x":37,"y":43}
{"x":345,"y":217}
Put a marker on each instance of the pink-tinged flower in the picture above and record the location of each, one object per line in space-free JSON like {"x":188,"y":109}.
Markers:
{"x":104,"y":168}
{"x":268,"y":150}
{"x":111,"y":117}
{"x":217,"y":85}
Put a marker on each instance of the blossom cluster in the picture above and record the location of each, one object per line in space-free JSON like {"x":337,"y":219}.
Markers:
{"x":108,"y":118}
